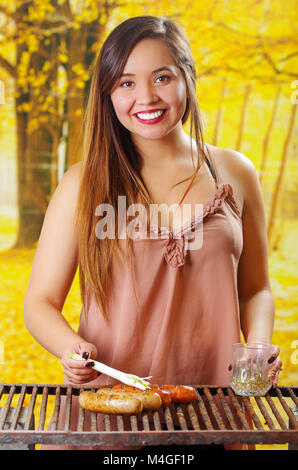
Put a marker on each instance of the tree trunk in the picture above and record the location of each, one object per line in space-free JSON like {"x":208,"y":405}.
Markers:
{"x":220,"y":111}
{"x":243,"y":116}
{"x":37,"y":151}
{"x":278,"y":185}
{"x":75,"y":96}
{"x":36,"y":154}
{"x":268,"y":133}
{"x":79,"y":51}
{"x":30,"y":217}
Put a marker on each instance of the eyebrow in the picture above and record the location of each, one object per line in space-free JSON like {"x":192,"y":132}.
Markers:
{"x":154,"y":71}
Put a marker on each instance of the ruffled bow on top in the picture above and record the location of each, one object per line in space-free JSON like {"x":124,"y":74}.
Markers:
{"x":176,"y":248}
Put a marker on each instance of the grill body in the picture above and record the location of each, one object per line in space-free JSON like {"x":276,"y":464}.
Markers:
{"x":218,"y":416}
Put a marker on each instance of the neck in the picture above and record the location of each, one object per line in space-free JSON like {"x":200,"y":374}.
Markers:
{"x":158,"y":154}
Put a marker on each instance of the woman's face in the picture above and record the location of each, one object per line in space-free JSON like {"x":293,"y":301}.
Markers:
{"x":144,"y":89}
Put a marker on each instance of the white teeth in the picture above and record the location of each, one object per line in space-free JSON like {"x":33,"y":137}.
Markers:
{"x":150,"y":116}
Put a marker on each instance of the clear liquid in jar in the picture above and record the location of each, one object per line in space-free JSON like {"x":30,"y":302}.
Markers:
{"x":250,"y":386}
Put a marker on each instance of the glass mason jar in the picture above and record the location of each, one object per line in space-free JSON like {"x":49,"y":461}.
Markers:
{"x":250,"y":369}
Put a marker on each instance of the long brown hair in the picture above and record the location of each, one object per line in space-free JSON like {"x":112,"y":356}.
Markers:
{"x":111,"y":162}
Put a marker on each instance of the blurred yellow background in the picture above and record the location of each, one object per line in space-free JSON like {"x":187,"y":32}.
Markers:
{"x":247,"y":90}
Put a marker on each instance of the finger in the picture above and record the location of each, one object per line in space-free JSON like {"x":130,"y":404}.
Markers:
{"x":274,"y":354}
{"x":83,"y":371}
{"x":275,"y":376}
{"x":275,"y":381}
{"x":86,"y":350}
{"x":275,"y":350}
{"x":275,"y":370}
{"x":80,"y":379}
{"x":276,"y":365}
{"x":76,"y":363}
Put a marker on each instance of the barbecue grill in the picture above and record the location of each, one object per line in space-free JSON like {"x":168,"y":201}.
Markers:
{"x":218,"y":416}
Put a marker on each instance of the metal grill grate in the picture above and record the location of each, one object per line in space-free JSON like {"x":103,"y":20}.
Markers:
{"x":217,"y":416}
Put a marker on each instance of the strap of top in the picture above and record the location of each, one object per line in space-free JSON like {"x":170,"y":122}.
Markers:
{"x":213,"y":169}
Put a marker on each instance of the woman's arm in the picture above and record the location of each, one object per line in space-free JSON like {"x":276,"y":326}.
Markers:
{"x":257,"y":309}
{"x":52,"y":274}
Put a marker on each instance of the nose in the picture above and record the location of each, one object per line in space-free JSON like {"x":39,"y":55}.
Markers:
{"x":146,"y":94}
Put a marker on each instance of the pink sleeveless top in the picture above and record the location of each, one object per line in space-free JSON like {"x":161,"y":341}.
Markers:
{"x":181,"y":327}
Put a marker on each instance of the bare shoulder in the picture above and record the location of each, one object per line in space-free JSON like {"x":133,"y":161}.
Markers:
{"x":75,"y":169}
{"x":72,"y":176}
{"x":231,"y":163}
{"x":63,"y":203}
{"x":68,"y":187}
{"x":238,"y":170}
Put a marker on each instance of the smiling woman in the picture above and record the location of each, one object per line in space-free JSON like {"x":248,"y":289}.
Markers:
{"x":151,"y":306}
{"x":146,"y":98}
{"x":123,"y":87}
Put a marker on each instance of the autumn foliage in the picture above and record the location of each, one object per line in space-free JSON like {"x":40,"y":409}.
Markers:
{"x":247,"y":88}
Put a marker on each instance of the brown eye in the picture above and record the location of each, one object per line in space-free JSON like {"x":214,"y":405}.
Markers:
{"x":164,"y":76}
{"x":127,"y":81}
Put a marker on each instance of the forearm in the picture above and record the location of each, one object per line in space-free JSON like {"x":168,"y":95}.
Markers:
{"x":257,"y":317}
{"x":48,"y":326}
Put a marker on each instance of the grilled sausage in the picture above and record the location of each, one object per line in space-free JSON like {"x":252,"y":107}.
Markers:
{"x":150,"y":399}
{"x":180,"y":393}
{"x":107,"y":401}
{"x":167,"y":393}
{"x":164,"y":394}
{"x":176,"y":393}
